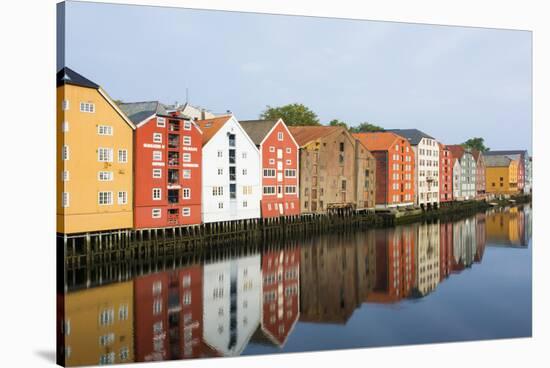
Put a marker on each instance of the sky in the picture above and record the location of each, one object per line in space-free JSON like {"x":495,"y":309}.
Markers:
{"x":453,"y":83}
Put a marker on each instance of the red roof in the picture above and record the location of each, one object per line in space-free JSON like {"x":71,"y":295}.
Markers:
{"x":457,"y":150}
{"x":305,"y":134}
{"x":210,"y":127}
{"x":378,"y":141}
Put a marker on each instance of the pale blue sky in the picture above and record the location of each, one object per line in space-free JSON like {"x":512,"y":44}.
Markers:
{"x":451,"y":82}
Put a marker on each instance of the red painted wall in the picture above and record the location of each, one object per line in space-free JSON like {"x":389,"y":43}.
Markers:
{"x":290,"y":203}
{"x":445,"y":174}
{"x":144,"y":181}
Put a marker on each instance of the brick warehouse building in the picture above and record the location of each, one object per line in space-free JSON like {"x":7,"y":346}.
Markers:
{"x":445,"y":174}
{"x":167,"y":166}
{"x":395,"y":168}
{"x":279,"y":160}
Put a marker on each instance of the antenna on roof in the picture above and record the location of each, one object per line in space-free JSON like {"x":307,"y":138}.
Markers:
{"x":186,"y":95}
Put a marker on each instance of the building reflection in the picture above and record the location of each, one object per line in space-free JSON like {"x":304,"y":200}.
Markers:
{"x":281,"y":296}
{"x":98,"y":326}
{"x":217,"y":308}
{"x":509,"y":227}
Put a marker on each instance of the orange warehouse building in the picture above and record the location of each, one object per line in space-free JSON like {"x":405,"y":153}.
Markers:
{"x":445,"y":174}
{"x":395,"y":168}
{"x":167,"y":166}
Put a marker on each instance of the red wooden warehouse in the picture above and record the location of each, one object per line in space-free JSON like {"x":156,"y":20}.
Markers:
{"x":167,"y":166}
{"x":279,"y":166}
{"x":445,"y":174}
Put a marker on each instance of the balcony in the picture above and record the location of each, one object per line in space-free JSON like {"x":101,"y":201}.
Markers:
{"x":173,"y":176}
{"x":174,"y":126}
{"x":173,"y":141}
{"x":231,"y":140}
{"x":173,"y":158}
{"x":232,"y":154}
{"x":173,"y":196}
{"x":232,"y":173}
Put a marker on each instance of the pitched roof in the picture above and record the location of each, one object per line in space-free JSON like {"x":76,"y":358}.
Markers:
{"x":377,"y":141}
{"x":210,"y":127}
{"x":414,"y":136}
{"x":68,"y":76}
{"x":505,"y":152}
{"x":305,"y":134}
{"x":257,"y":129}
{"x":456,"y":150}
{"x":139,"y":111}
{"x":497,"y":161}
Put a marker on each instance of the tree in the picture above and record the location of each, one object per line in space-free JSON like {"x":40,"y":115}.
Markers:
{"x":366,"y":127}
{"x":118,"y":102}
{"x":476,"y":143}
{"x":292,"y":114}
{"x":336,"y":122}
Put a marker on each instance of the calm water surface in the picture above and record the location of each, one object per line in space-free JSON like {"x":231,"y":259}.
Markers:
{"x":421,"y":283}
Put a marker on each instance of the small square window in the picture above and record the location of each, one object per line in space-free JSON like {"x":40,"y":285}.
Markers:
{"x":186,"y":211}
{"x":161,"y":122}
{"x":156,"y":213}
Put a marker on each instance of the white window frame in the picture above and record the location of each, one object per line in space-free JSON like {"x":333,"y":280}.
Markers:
{"x":88,"y":107}
{"x":65,"y":105}
{"x":187,"y":174}
{"x":288,"y":150}
{"x":122,"y":197}
{"x":122,"y":156}
{"x":65,"y":126}
{"x":289,"y":162}
{"x":65,"y":152}
{"x":186,"y":211}
{"x":186,"y":157}
{"x":186,"y":140}
{"x":109,"y":196}
{"x":280,"y":136}
{"x":183,"y":191}
{"x":157,"y":155}
{"x":156,"y":213}
{"x":105,"y":176}
{"x":157,"y":173}
{"x":65,"y":199}
{"x":271,"y":149}
{"x":157,"y":137}
{"x":161,"y":122}
{"x":186,"y":125}
{"x":109,"y":152}
{"x":154,"y":196}
{"x":105,"y":130}
{"x":65,"y":175}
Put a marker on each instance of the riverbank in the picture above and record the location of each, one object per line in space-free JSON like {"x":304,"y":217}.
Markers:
{"x":85,"y":250}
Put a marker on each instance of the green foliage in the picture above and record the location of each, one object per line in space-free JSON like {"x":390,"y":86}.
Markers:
{"x":365,"y":127}
{"x":476,"y":143}
{"x":336,"y":122}
{"x":292,"y":114}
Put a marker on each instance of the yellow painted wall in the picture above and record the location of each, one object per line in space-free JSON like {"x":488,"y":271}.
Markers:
{"x":509,"y":182}
{"x":82,"y":316}
{"x":84,"y":213}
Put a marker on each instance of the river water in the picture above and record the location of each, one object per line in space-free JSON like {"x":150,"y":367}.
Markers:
{"x":469,"y":279}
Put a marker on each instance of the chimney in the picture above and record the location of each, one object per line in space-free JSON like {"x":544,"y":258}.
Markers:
{"x":203,"y":114}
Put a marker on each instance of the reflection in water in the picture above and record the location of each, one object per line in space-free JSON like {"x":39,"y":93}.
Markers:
{"x":218,"y":308}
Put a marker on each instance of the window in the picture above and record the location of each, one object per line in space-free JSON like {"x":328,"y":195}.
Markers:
{"x":157,"y":155}
{"x":122,"y":197}
{"x":155,"y":213}
{"x":65,"y":105}
{"x":290,"y":173}
{"x":280,"y":136}
{"x":157,"y":138}
{"x":105,"y":176}
{"x":186,"y":211}
{"x":65,"y":153}
{"x":244,"y":155}
{"x":288,"y":162}
{"x":107,"y":358}
{"x":106,"y":340}
{"x":65,"y":175}
{"x":247,"y":189}
{"x":65,"y":126}
{"x":187,"y":157}
{"x":124,"y":353}
{"x":220,"y":171}
{"x":186,"y":193}
{"x":104,"y":130}
{"x":186,"y":281}
{"x":186,"y":125}
{"x":245,"y":171}
{"x":65,"y":200}
{"x":288,"y":150}
{"x":245,"y":204}
{"x":87,"y":107}
{"x":157,"y":287}
{"x":220,"y":205}
{"x":105,"y":198}
{"x":186,"y":140}
{"x":186,"y":298}
{"x":271,"y":149}
{"x":105,"y":154}
{"x":187,"y":174}
{"x":106,"y":317}
{"x":269,"y":189}
{"x":122,"y":156}
{"x":272,"y":161}
{"x":157,"y":173}
{"x":217,"y":191}
{"x":269,"y":173}
{"x":161,"y":122}
{"x":157,"y":306}
{"x":290,"y":189}
{"x":157,"y":194}
{"x":123,"y":312}
{"x":220,"y":153}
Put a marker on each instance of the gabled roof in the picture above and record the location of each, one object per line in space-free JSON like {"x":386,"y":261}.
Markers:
{"x":414,"y":136}
{"x":210,"y":127}
{"x":456,"y":150}
{"x":505,"y":152}
{"x":305,"y":134}
{"x":497,"y":161}
{"x":139,"y":111}
{"x":377,"y":141}
{"x":68,"y":76}
{"x":258,"y":129}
